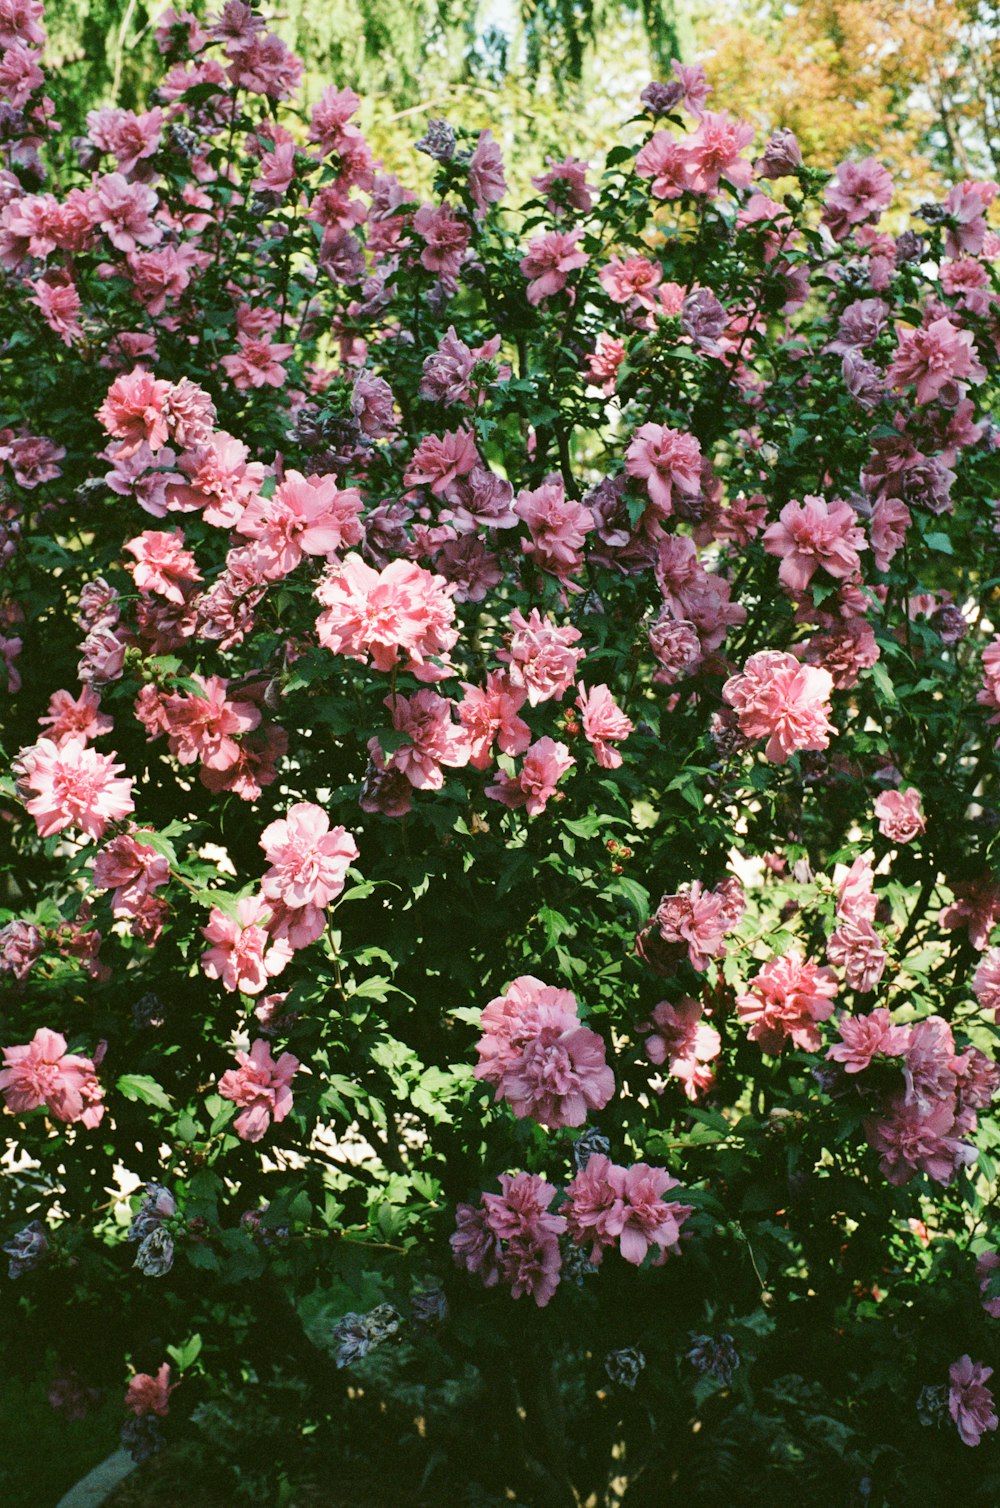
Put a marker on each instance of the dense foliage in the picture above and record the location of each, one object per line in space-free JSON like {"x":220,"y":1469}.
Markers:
{"x":499,"y":855}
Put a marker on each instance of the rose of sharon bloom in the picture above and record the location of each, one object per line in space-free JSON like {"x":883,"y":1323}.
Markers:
{"x":606,"y":1204}
{"x":306,"y":516}
{"x":434,"y":740}
{"x":402,"y":616}
{"x":987,"y":1264}
{"x":261,"y":1086}
{"x":162,"y":565}
{"x":243,"y":955}
{"x":812,"y":534}
{"x":900,"y":817}
{"x":970,"y":1401}
{"x":549,"y":261}
{"x":866,"y":1037}
{"x":785,"y":1000}
{"x":75,"y":787}
{"x":986,"y":982}
{"x":604,"y":723}
{"x":309,"y":860}
{"x":684,"y":1042}
{"x":693,"y":918}
{"x":715,"y":151}
{"x":776,"y":698}
{"x":911,"y":1138}
{"x":545,"y":763}
{"x":150,"y":1395}
{"x":558,"y":528}
{"x":490,"y":716}
{"x":42,"y":1072}
{"x":75,"y":717}
{"x":937,"y":358}
{"x":512,"y":1238}
{"x":539,"y":655}
{"x":542,"y":1061}
{"x":857,"y":948}
{"x":667,"y":459}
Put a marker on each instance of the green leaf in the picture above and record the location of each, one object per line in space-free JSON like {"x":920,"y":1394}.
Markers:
{"x":138,"y":1086}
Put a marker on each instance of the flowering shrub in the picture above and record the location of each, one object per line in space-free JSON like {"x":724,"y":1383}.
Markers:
{"x":499,"y":867}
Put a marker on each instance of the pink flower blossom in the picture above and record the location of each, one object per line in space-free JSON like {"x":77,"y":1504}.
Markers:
{"x":402,"y":616}
{"x":986,"y":982}
{"x":309,"y":859}
{"x":776,"y":698}
{"x":684,"y":1042}
{"x":549,"y":261}
{"x":970,"y":1401}
{"x":306,"y":516}
{"x":541,"y":1060}
{"x":74,"y":786}
{"x":604,"y":723}
{"x":635,"y":277}
{"x":566,"y":184}
{"x":163,"y":565}
{"x":42,"y":1072}
{"x":558,"y":528}
{"x":123,"y":210}
{"x":812,"y":534}
{"x":665,"y":161}
{"x":866,"y":1037}
{"x":261,"y":1087}
{"x":487,"y":184}
{"x":20,"y":948}
{"x":912,"y":1139}
{"x":545,"y":763}
{"x":606,"y":1204}
{"x":440,"y":460}
{"x":243,"y":955}
{"x":540,"y":655}
{"x":257,"y":362}
{"x":434,"y":739}
{"x":937,"y":358}
{"x":715,"y":150}
{"x":512,"y":1237}
{"x":135,"y":411}
{"x":860,"y":191}
{"x":80,"y":717}
{"x":987,"y":1264}
{"x":130,"y":138}
{"x":900,"y":818}
{"x":667,"y":459}
{"x":132,"y":869}
{"x":786,"y":1000}
{"x":603,"y":362}
{"x":489,"y":716}
{"x":60,"y":306}
{"x":150,"y":1395}
{"x":445,"y":236}
{"x":857,"y":948}
{"x":694,"y":919}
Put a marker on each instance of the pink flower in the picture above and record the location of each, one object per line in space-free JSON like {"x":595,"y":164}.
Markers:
{"x":668,"y":459}
{"x":445,"y":238}
{"x":487,"y":184}
{"x":860,"y":191}
{"x":75,"y":786}
{"x":912,"y":1139}
{"x":693,"y":918}
{"x":665,"y":161}
{"x":402,"y":616}
{"x":220,"y":480}
{"x":900,"y":818}
{"x":439,"y":461}
{"x":776,"y":698}
{"x":542,"y":1061}
{"x":685,"y":1042}
{"x":512,"y":1237}
{"x":434,"y":740}
{"x":604,"y":723}
{"x":490,"y":716}
{"x":558,"y":528}
{"x":857,"y":948}
{"x":122,"y":210}
{"x":785,"y":1000}
{"x":866,"y":1037}
{"x":306,"y":516}
{"x":128,"y":137}
{"x":937,"y":359}
{"x":606,"y":1203}
{"x":20,"y":21}
{"x":135,"y":411}
{"x":714,"y":152}
{"x":635,"y":277}
{"x":75,"y":718}
{"x":545,"y":763}
{"x":309,"y":859}
{"x":540,"y":656}
{"x":42,"y":1072}
{"x":261,"y":1087}
{"x":243,"y":955}
{"x":549,"y":261}
{"x":986,"y":982}
{"x":986,"y":1265}
{"x":603,"y":362}
{"x":163,"y":564}
{"x":257,"y":362}
{"x":970,"y":1401}
{"x":811,"y":534}
{"x":566,"y":184}
{"x":20,"y":948}
{"x":150,"y":1395}
{"x":60,"y":306}
{"x":132,"y":869}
